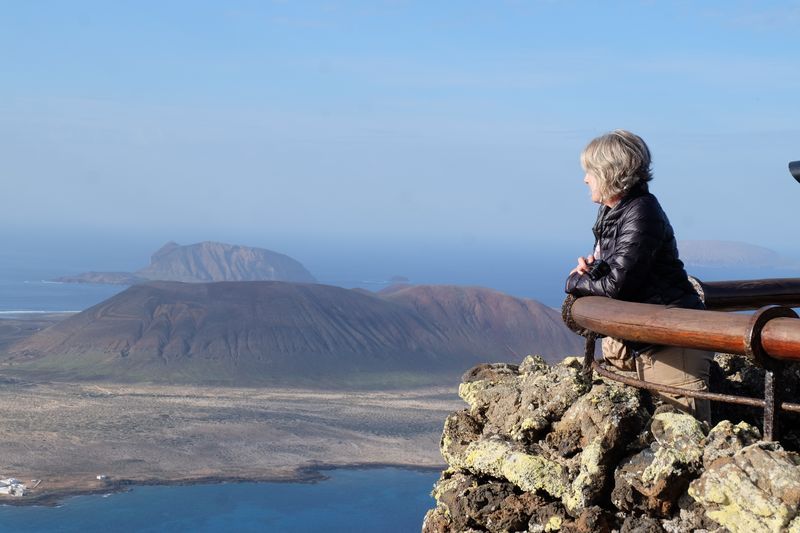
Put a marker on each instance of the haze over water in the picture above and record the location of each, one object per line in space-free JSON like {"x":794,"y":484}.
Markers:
{"x":534,"y":270}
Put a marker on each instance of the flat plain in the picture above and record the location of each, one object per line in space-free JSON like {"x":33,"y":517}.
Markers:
{"x":66,"y":434}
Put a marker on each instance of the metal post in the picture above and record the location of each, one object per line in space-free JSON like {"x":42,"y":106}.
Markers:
{"x":588,"y":358}
{"x":772,"y":402}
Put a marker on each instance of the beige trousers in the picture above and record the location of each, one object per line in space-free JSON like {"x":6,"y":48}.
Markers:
{"x":678,"y":367}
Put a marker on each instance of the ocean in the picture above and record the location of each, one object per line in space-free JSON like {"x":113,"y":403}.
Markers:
{"x":25,"y":286}
{"x":379,"y":499}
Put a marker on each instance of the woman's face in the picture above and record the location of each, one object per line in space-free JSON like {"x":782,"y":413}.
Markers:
{"x":590,"y":180}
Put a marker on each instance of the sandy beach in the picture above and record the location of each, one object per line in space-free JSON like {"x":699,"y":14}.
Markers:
{"x":66,"y":434}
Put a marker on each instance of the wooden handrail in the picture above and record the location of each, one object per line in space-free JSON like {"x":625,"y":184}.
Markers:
{"x":740,"y":295}
{"x":706,"y":330}
{"x":781,"y":338}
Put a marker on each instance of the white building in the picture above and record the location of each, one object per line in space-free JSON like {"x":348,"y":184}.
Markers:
{"x":12,"y":487}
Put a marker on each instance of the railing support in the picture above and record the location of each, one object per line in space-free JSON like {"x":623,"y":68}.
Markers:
{"x":772,"y":393}
{"x":588,"y":356}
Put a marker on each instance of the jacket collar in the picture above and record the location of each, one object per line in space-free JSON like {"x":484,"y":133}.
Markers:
{"x":607,"y":214}
{"x":640,"y":189}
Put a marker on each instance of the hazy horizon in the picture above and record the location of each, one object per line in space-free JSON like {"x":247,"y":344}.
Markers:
{"x":530,"y":269}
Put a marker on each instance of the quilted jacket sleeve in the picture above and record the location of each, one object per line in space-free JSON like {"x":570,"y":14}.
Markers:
{"x":640,"y":233}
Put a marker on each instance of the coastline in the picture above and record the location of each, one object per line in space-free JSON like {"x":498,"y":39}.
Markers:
{"x":306,"y":474}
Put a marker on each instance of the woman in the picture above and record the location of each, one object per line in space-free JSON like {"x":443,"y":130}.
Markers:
{"x":635,"y":259}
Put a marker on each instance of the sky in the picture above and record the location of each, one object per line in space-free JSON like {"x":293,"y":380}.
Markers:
{"x":443,"y":123}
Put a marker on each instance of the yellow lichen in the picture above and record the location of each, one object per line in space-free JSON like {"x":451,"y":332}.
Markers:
{"x":528,"y":472}
{"x":739,"y":505}
{"x":676,"y":425}
{"x":681,"y":437}
{"x":443,"y":486}
{"x":528,"y":423}
{"x":532,"y":472}
{"x":469,"y":392}
{"x":554,"y":523}
{"x":591,"y":457}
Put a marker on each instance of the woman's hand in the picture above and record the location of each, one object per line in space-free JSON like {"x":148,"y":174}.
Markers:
{"x":584,"y":264}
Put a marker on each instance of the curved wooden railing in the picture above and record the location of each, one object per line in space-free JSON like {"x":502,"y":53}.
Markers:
{"x":741,"y":295}
{"x":770,"y":336}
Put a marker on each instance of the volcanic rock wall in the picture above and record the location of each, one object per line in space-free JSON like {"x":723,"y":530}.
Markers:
{"x":541,"y":449}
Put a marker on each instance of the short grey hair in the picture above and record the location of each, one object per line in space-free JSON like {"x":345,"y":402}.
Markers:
{"x":619,"y":160}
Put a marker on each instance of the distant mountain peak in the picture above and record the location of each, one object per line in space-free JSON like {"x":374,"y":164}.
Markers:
{"x":209,"y":261}
{"x":206,"y":261}
{"x":164,"y":250}
{"x":714,"y":253}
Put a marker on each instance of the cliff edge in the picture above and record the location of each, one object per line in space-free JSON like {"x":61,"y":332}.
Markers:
{"x":541,"y":449}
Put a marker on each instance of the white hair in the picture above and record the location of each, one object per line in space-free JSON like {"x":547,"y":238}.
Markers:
{"x":619,"y":160}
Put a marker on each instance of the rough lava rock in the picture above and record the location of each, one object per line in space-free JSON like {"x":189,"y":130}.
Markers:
{"x":653,"y":480}
{"x":757,"y":490}
{"x":590,"y":438}
{"x":725,"y":439}
{"x":523,"y":401}
{"x":539,"y":449}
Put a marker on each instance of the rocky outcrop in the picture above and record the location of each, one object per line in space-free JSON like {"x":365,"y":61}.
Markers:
{"x":539,"y":448}
{"x":216,"y":261}
{"x":205,"y":262}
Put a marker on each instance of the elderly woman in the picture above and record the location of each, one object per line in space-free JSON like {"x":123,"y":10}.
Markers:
{"x":635,"y":259}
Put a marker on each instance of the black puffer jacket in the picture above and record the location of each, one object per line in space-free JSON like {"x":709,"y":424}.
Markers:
{"x":636,"y":239}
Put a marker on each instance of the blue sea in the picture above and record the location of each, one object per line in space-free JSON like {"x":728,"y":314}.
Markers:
{"x":381,"y":499}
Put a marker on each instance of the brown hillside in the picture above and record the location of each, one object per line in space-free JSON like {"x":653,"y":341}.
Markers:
{"x":271,"y":331}
{"x":476,"y":318}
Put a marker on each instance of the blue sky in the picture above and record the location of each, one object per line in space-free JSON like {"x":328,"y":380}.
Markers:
{"x":435,"y":122}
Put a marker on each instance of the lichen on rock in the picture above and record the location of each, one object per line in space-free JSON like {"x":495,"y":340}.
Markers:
{"x":460,"y":430}
{"x":541,"y":449}
{"x":502,"y":459}
{"x":653,"y":479}
{"x":521,"y":402}
{"x":725,"y":439}
{"x":757,"y":490}
{"x":596,"y":429}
